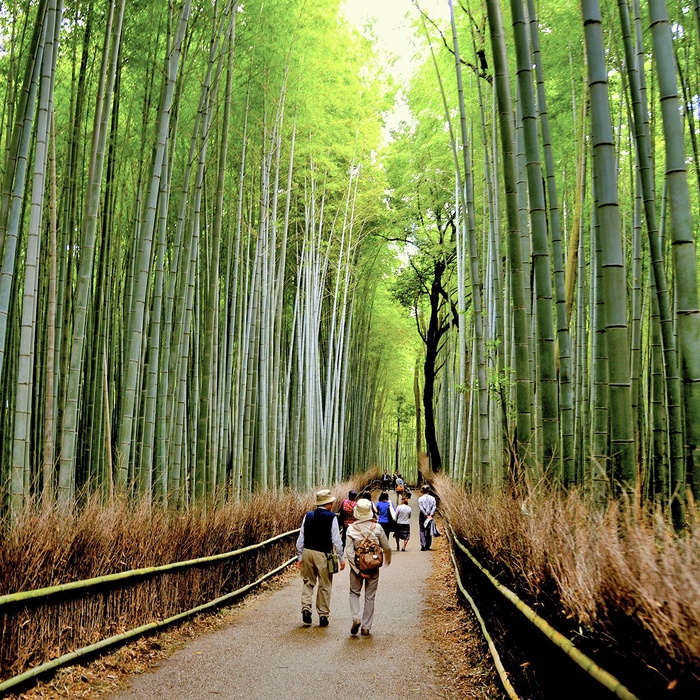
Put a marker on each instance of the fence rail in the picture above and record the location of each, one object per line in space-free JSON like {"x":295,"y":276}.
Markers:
{"x":118,"y":581}
{"x":590,"y":667}
{"x":132,"y":574}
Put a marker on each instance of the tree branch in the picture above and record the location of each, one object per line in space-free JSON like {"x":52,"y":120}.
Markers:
{"x":444,"y":40}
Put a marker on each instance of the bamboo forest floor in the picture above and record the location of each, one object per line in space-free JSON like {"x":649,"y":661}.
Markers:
{"x":423,"y":644}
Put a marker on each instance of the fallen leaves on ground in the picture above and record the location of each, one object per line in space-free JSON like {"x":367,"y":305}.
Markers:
{"x":462,"y":659}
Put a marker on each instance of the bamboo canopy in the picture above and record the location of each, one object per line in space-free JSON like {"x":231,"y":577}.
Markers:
{"x":223,"y":271}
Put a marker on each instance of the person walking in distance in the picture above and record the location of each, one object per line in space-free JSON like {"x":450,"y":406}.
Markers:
{"x":386,"y":481}
{"x":345,"y":515}
{"x":386,"y":515}
{"x":364,"y":537}
{"x":318,"y":536}
{"x":399,"y":488}
{"x":403,"y":524}
{"x":428,"y":506}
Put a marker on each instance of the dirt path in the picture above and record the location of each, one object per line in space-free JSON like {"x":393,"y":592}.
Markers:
{"x":266,"y":652}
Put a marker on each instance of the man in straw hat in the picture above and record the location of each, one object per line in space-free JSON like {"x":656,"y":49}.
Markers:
{"x":318,"y":536}
{"x":363,"y":526}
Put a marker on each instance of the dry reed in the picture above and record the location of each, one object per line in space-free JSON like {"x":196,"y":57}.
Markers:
{"x":594,"y":567}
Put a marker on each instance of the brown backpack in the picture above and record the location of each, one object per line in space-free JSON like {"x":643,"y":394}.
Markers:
{"x":368,"y":553}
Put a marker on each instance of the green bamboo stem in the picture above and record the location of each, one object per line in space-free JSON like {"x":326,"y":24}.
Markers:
{"x":614,"y":282}
{"x":683,"y":245}
{"x":548,"y":389}
{"x":521,"y":350}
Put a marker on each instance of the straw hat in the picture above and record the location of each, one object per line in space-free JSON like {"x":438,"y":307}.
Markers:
{"x":324,"y":497}
{"x":363,"y":511}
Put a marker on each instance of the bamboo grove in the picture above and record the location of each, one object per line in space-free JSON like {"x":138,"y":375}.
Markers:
{"x":197,"y":298}
{"x":183,"y":197}
{"x":573,"y":229}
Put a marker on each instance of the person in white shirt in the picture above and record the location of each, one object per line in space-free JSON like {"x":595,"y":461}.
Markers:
{"x":428,"y":506}
{"x":403,"y":524}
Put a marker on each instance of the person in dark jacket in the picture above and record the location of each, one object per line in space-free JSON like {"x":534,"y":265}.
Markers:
{"x":318,"y":536}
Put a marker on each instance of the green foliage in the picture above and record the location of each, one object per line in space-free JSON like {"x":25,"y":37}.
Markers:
{"x":392,"y":338}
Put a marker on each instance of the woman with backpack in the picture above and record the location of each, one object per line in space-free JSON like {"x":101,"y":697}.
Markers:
{"x":366,"y":550}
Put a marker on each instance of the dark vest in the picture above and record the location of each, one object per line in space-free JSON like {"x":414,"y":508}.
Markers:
{"x":317,"y":530}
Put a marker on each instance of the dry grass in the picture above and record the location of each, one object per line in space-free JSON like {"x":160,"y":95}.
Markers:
{"x":45,"y":548}
{"x":595,"y":568}
{"x":462,"y":659}
{"x":112,"y":671}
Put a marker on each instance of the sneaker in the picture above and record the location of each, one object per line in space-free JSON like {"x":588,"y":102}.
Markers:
{"x":323,"y":621}
{"x":306,"y":616}
{"x":355,"y":627}
{"x":365,"y":633}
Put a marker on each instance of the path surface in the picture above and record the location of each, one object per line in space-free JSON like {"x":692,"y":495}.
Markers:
{"x":268,"y":653}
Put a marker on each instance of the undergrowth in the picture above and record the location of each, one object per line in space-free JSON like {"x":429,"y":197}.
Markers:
{"x":591,"y":566}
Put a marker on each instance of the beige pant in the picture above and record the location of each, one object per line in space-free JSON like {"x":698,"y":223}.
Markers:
{"x":314,"y":569}
{"x":370,"y":584}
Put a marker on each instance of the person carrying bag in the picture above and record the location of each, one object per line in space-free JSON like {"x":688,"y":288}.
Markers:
{"x":319,"y":535}
{"x":364,"y":539}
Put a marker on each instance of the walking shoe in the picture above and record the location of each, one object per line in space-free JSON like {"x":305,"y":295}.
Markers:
{"x":365,"y":633}
{"x":355,"y":627}
{"x":323,"y":621}
{"x":306,"y":616}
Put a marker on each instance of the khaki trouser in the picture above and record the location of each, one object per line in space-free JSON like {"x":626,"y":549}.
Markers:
{"x":370,"y":585}
{"x":314,"y":569}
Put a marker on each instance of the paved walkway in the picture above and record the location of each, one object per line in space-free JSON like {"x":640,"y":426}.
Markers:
{"x":267,"y":653}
